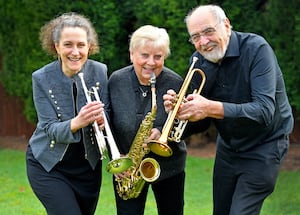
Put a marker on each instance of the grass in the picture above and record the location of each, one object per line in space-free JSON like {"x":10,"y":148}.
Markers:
{"x":17,"y":197}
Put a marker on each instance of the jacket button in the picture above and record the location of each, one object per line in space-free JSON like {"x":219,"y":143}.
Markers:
{"x":52,"y":144}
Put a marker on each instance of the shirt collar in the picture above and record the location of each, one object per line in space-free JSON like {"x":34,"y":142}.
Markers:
{"x":233,"y":46}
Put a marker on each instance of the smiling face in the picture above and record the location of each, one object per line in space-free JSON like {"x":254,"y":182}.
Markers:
{"x":209,"y":36}
{"x":146,"y":60}
{"x":73,"y":49}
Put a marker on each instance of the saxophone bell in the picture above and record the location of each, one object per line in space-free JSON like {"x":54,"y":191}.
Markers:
{"x":149,"y":169}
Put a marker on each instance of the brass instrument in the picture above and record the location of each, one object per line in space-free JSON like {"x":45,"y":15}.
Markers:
{"x":173,"y":127}
{"x":142,"y":170}
{"x":117,"y":164}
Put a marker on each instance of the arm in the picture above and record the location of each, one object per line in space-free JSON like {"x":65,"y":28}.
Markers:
{"x":198,"y":108}
{"x":254,"y":99}
{"x":55,"y":111}
{"x":262,"y":75}
{"x":47,"y":112}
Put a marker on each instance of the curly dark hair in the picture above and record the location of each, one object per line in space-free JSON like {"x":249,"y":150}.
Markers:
{"x":50,"y":33}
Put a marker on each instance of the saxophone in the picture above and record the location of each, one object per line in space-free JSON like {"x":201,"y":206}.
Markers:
{"x":142,"y":170}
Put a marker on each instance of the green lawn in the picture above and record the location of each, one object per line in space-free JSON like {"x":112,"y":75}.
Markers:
{"x":17,"y":198}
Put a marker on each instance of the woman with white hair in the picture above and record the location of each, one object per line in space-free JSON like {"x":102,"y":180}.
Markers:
{"x":130,"y":96}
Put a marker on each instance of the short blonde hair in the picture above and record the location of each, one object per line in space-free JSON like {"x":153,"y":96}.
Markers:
{"x":148,"y":33}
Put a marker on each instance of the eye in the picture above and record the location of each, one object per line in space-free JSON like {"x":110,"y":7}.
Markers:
{"x":195,"y":37}
{"x":208,"y":31}
{"x":68,"y":45}
{"x":157,"y":57}
{"x":81,"y":45}
{"x":144,"y":55}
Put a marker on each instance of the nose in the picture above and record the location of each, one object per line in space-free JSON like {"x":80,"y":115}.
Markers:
{"x":151,"y":60}
{"x":203,"y":40}
{"x":75,"y":50}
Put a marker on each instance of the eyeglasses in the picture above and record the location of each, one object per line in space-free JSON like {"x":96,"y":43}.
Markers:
{"x":208,"y":32}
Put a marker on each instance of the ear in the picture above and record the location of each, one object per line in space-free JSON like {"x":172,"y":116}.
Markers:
{"x":227,"y":23}
{"x":131,"y":56}
{"x":57,"y":48}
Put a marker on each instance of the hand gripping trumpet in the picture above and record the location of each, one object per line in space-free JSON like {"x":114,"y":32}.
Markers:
{"x":118,"y":164}
{"x":173,"y":127}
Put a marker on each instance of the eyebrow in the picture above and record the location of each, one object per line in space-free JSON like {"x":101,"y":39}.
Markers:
{"x":205,"y":30}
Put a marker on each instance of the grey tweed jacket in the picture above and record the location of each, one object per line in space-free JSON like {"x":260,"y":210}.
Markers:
{"x":55,"y":104}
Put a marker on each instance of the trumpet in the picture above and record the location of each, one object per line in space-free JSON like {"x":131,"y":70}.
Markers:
{"x":173,"y":127}
{"x":118,"y":164}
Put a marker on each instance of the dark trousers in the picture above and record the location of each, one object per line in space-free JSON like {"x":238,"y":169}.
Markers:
{"x":168,"y":193}
{"x":63,"y":194}
{"x":243,"y":180}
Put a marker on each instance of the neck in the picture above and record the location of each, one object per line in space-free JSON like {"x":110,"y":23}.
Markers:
{"x":144,"y":83}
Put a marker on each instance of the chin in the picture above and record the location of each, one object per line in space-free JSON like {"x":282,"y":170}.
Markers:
{"x":213,"y":60}
{"x":213,"y":57}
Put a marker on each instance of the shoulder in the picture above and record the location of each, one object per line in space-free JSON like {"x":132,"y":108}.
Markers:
{"x":46,"y":71}
{"x":121,"y":73}
{"x":95,"y":70}
{"x":168,"y":79}
{"x":120,"y":79}
{"x":250,"y":39}
{"x":170,"y":74}
{"x":46,"y":68}
{"x":96,"y":65}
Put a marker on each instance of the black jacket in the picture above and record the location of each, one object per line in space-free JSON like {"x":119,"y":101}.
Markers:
{"x":127,"y":113}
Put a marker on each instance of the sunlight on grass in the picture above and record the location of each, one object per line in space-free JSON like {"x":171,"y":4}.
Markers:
{"x":17,"y":197}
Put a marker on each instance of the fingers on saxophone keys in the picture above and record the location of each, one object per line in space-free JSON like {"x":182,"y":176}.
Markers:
{"x":122,"y":175}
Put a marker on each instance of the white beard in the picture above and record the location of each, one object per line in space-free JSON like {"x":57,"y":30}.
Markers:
{"x":215,"y":55}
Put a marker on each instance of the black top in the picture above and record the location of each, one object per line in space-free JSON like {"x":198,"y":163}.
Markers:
{"x":249,"y":82}
{"x":129,"y":107}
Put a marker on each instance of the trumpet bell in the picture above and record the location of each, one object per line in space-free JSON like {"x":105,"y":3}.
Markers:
{"x":149,"y":169}
{"x":160,"y":148}
{"x":119,"y":165}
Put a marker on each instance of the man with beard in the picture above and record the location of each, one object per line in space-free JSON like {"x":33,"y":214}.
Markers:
{"x":244,"y":96}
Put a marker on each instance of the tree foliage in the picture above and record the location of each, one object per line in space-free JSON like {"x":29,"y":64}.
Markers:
{"x":115,"y":21}
{"x":283,"y":31}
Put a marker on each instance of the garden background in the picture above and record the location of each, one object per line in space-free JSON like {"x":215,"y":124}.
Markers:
{"x":21,"y":54}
